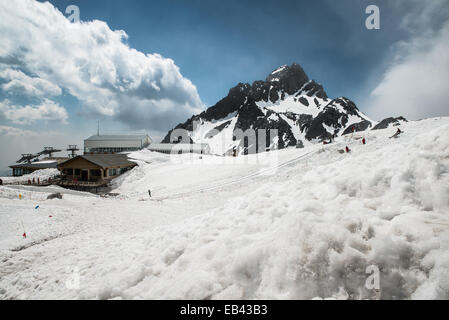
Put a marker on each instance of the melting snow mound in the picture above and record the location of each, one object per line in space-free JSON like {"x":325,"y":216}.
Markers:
{"x":317,"y":234}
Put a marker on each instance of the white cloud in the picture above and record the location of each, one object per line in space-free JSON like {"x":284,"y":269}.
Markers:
{"x":416,"y":84}
{"x":15,"y":132}
{"x":422,"y":16}
{"x":95,"y":65}
{"x":19,"y":82}
{"x":47,"y":110}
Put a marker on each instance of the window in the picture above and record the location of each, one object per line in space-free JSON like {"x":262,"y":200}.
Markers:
{"x":95,"y":173}
{"x":112,"y":172}
{"x":77,"y":172}
{"x":123,"y":170}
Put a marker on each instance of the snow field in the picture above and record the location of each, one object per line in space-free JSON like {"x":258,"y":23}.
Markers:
{"x":309,"y":230}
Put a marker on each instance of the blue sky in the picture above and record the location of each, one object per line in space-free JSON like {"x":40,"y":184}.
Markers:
{"x":220,"y":43}
{"x":174,"y":58}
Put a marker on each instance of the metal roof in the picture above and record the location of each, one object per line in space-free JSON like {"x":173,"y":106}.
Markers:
{"x":105,"y":160}
{"x":118,"y":137}
{"x":36,"y":165}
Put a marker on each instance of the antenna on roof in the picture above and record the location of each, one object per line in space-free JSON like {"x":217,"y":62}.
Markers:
{"x":98,"y":128}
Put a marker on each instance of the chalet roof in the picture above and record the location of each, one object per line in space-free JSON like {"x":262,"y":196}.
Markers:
{"x":104,"y":160}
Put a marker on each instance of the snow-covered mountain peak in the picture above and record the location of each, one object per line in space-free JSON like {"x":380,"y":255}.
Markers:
{"x":287,"y":101}
{"x":284,"y":72}
{"x":279,"y":69}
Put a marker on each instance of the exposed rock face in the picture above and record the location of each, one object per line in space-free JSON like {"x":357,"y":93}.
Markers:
{"x":287,"y":101}
{"x":385,"y":123}
{"x":361,"y":126}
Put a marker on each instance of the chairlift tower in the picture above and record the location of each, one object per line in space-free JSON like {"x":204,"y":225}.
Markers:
{"x":49,"y":151}
{"x":27,"y":157}
{"x":72,"y":148}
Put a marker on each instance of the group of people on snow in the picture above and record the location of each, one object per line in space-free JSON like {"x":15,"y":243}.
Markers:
{"x":398,"y":132}
{"x":34,"y":181}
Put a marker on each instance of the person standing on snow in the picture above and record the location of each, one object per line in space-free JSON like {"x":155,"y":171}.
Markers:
{"x":347,"y":149}
{"x":363,"y":140}
{"x":149,"y":192}
{"x":398,"y":132}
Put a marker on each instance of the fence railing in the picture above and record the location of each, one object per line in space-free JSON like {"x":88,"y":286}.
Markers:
{"x":82,"y":183}
{"x":45,"y":182}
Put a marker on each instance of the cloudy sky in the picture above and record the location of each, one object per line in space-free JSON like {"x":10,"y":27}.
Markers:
{"x":144,"y":66}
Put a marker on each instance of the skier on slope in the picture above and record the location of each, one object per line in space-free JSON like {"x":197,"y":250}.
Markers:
{"x":149,"y":192}
{"x":398,"y":132}
{"x":363,"y":140}
{"x":347,"y":149}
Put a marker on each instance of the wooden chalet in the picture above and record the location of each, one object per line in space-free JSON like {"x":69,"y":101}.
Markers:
{"x":93,"y":169}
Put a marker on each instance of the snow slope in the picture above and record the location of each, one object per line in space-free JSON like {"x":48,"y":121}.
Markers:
{"x":304,"y":225}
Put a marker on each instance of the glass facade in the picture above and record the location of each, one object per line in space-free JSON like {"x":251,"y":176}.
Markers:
{"x":17,"y":172}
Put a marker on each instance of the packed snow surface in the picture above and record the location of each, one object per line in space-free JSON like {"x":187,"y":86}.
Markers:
{"x":42,"y":175}
{"x":293,"y":224}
